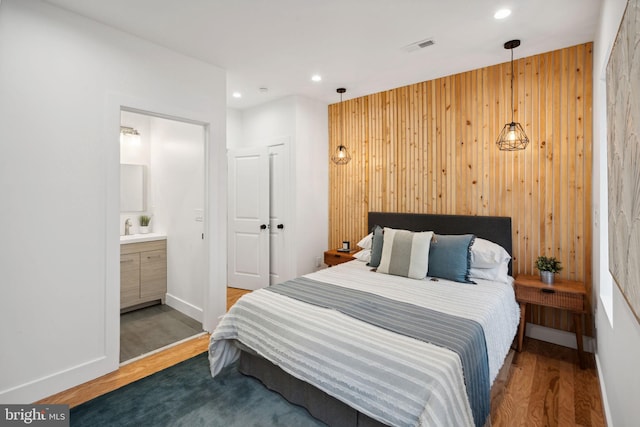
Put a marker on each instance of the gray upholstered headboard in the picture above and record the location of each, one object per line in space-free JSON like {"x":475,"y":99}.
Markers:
{"x":494,"y":228}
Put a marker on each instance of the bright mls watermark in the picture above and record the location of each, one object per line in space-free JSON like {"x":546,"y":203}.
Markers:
{"x":34,"y":415}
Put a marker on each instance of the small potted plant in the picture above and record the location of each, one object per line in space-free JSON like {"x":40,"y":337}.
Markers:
{"x":548,"y":266}
{"x":144,"y":224}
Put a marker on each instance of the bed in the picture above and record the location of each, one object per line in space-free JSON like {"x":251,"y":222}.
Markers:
{"x":360,"y":348}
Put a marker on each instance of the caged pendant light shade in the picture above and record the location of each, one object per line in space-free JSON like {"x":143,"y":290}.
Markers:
{"x":512,"y":137}
{"x":341,"y":155}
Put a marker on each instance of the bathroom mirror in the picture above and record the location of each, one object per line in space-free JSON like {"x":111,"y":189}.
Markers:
{"x":132,"y":197}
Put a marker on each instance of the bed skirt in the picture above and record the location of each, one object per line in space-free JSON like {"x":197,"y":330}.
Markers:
{"x":326,"y":408}
{"x":319,"y":404}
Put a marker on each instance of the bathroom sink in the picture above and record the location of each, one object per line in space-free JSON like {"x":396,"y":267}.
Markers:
{"x":135,"y":238}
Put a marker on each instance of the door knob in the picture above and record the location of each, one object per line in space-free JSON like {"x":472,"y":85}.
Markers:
{"x":280,"y":226}
{"x":263,"y":226}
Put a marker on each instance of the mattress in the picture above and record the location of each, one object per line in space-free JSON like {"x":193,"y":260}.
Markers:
{"x":392,"y":378}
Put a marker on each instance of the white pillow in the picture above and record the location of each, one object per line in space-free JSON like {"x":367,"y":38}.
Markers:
{"x":365,"y":243}
{"x":500,"y":273}
{"x":486,"y":254}
{"x":405,"y":253}
{"x":364,"y":255}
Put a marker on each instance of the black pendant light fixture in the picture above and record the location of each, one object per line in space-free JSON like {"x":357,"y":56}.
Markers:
{"x":341,"y":155}
{"x":512,"y":137}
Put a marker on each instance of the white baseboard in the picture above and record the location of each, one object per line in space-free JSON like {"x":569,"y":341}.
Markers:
{"x":603,"y":392}
{"x":556,"y":336}
{"x":54,"y":383}
{"x":184,"y":307}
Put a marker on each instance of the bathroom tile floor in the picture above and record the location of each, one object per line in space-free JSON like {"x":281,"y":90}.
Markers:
{"x":151,"y":328}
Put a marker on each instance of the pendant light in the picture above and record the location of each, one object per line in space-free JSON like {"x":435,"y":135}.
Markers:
{"x":341,"y":155}
{"x":512,"y":137}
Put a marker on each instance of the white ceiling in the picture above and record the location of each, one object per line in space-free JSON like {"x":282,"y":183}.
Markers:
{"x":357,"y":44}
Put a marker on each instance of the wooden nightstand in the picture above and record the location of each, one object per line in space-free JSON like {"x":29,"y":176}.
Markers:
{"x":563,"y":294}
{"x":334,"y":257}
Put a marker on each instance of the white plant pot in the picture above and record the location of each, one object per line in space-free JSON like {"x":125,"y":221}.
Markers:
{"x":144,"y":229}
{"x":547,"y":277}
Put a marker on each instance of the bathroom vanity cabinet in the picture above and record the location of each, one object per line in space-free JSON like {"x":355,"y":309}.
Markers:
{"x":143,"y":273}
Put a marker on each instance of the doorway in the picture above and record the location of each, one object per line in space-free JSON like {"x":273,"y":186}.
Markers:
{"x":171,"y":154}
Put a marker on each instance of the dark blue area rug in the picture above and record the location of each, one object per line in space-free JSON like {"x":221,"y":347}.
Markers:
{"x":186,"y":395}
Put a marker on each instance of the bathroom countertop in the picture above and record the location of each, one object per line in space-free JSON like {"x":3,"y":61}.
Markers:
{"x":136,"y":238}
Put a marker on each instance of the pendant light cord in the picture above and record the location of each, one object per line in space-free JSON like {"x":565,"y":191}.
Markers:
{"x":341,"y":121}
{"x":512,"y":97}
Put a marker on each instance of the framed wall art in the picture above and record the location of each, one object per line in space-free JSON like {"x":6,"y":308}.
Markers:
{"x":623,"y":156}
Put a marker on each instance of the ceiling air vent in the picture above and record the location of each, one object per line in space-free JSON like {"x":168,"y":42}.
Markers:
{"x":419,"y":45}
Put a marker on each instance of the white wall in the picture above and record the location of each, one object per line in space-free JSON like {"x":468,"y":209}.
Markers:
{"x":617,"y":332}
{"x":63,"y":79}
{"x":303,"y":124}
{"x":264,"y":124}
{"x":312,"y":182}
{"x":177,"y":170}
{"x":234,"y":128}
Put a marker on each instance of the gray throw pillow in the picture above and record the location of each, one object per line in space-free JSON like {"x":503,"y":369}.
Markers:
{"x":405,"y":253}
{"x":376,"y":246}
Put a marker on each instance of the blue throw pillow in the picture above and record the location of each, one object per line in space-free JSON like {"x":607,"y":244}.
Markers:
{"x":376,"y":246}
{"x":450,"y":257}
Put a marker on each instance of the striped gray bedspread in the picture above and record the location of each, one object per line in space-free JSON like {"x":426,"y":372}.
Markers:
{"x":463,"y":336}
{"x":393,"y":378}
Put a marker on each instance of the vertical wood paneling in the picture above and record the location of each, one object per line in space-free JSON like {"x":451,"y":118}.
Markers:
{"x":430,"y":148}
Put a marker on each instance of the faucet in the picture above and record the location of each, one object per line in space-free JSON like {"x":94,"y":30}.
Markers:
{"x":127,"y":226}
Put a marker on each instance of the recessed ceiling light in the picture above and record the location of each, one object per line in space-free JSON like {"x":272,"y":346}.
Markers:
{"x":316,"y":77}
{"x":237,"y":95}
{"x":502,"y":13}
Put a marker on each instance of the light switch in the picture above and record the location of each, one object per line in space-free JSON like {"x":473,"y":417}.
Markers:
{"x":199,"y":215}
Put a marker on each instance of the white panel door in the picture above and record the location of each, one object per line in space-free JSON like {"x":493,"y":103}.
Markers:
{"x":248,"y":263}
{"x":278,"y":210}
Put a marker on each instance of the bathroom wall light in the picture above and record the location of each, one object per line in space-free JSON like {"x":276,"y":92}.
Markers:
{"x":129,"y":134}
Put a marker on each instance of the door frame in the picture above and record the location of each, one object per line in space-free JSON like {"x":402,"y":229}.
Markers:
{"x":214,"y":298}
{"x":205,"y":196}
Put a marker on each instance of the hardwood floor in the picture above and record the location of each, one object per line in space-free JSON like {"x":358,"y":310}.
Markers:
{"x":546,"y":386}
{"x":233,"y":295}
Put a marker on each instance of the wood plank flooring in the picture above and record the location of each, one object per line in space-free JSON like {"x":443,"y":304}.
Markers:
{"x":546,"y":387}
{"x":233,"y":295}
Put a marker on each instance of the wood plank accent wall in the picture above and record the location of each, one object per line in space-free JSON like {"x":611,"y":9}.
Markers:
{"x":430,"y":148}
